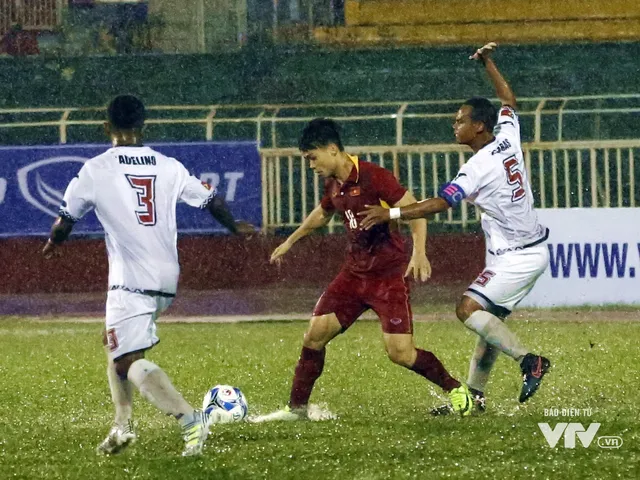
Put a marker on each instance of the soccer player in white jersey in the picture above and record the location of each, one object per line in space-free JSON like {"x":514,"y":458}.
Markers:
{"x":494,"y":180}
{"x":134,"y":190}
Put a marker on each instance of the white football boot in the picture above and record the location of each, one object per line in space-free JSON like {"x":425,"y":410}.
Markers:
{"x":287,"y":414}
{"x":119,"y":438}
{"x":313,"y":412}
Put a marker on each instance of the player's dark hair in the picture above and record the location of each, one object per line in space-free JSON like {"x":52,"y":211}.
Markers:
{"x":483,"y":111}
{"x":319,"y":133}
{"x":126,"y":112}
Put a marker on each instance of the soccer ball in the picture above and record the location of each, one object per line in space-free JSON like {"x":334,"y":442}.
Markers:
{"x":224,"y":404}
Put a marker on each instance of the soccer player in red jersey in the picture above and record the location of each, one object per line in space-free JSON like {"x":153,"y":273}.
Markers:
{"x":373,"y":275}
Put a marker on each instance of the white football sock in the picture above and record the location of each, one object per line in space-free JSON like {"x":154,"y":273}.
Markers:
{"x":121,"y":393}
{"x":155,"y":386}
{"x":482,"y":361}
{"x":495,"y":332}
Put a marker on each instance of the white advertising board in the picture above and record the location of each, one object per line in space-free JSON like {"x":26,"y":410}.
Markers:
{"x":595,"y":258}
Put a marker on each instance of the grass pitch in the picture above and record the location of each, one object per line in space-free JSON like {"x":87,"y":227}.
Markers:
{"x":55,"y":405}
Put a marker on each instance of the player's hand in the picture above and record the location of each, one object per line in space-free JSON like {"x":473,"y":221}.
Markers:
{"x":49,"y":250}
{"x":276,"y":256}
{"x":484,"y":52}
{"x":420,"y":267}
{"x":373,"y":215}
{"x":245,"y":228}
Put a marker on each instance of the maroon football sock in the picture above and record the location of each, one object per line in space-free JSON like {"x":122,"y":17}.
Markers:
{"x":428,"y":365}
{"x":308,"y":370}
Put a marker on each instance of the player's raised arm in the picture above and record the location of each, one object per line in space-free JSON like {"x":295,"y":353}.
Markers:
{"x":503,"y":90}
{"x":318,"y":218}
{"x":419,"y":264}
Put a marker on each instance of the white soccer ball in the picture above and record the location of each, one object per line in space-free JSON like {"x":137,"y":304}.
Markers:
{"x":224,"y":404}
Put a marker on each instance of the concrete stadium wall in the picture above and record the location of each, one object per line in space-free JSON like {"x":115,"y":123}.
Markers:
{"x":218,"y":262}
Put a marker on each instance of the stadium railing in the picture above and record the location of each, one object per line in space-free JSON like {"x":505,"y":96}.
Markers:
{"x":41,"y":15}
{"x":278,"y":126}
{"x":584,"y":174}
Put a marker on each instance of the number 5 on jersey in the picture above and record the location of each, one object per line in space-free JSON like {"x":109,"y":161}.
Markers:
{"x":514,"y":177}
{"x":145,"y":187}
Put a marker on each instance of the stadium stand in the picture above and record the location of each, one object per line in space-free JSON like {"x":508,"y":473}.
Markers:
{"x":22,"y":21}
{"x":462,"y":21}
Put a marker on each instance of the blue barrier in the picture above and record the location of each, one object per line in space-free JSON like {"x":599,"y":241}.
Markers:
{"x":33,"y":181}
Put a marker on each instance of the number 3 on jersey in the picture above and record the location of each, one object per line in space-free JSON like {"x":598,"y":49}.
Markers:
{"x":145,"y":187}
{"x":514,"y":177}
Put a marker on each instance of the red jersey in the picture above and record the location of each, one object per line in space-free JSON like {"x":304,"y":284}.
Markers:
{"x":379,"y":251}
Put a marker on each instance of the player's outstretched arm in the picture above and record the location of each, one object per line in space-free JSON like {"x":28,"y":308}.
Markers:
{"x":318,"y":218}
{"x":503,"y":90}
{"x":220,"y":211}
{"x":419,"y":263}
{"x":60,"y":231}
{"x":375,"y":215}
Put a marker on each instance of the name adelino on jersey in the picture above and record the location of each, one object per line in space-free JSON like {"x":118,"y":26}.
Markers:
{"x":143,"y":160}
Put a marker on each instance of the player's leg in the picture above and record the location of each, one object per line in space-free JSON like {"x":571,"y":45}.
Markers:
{"x":389,"y":298}
{"x":482,"y":361}
{"x":483,"y":319}
{"x":155,"y":386}
{"x":122,"y":433}
{"x":121,"y":390}
{"x":133,"y":330}
{"x":483,"y":357}
{"x":336,"y":310}
{"x":485,"y":305}
{"x":402,"y":351}
{"x":322,"y":328}
{"x":485,"y":354}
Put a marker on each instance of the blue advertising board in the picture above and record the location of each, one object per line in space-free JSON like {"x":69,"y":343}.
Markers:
{"x":33,"y":181}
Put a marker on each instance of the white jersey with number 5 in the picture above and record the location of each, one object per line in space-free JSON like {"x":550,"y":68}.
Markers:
{"x":134,"y":191}
{"x":495,"y":180}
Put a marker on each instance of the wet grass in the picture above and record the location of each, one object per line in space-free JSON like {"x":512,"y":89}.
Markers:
{"x":55,"y":405}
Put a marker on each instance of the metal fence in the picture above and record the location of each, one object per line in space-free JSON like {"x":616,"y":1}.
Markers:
{"x":562,"y":175}
{"x":382,"y":123}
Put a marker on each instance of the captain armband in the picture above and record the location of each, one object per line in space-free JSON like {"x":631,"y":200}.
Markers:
{"x":452,"y":193}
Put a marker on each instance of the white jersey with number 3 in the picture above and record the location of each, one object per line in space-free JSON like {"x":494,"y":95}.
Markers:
{"x":134,"y":191}
{"x":495,"y":180}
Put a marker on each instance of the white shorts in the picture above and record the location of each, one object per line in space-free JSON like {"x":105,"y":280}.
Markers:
{"x":131,"y":321}
{"x":508,"y":278}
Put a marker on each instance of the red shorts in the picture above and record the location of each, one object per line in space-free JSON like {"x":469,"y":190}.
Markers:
{"x":349,"y":296}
